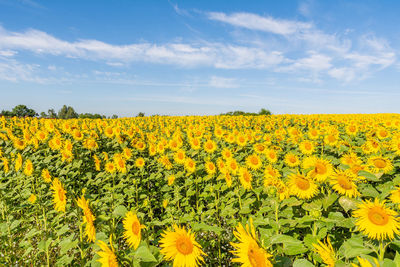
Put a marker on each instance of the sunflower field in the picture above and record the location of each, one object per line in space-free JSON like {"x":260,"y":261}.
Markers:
{"x":280,"y":190}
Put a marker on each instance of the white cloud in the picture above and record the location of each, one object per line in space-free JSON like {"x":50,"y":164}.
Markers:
{"x":343,"y":74}
{"x":315,"y":62}
{"x":211,"y":54}
{"x":13,"y":71}
{"x":223,"y":82}
{"x":7,"y":53}
{"x":255,"y":22}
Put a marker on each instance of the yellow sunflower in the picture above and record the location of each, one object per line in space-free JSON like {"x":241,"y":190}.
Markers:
{"x":343,"y":183}
{"x":245,"y":178}
{"x":180,"y":246}
{"x":326,"y":252}
{"x":380,"y":164}
{"x":210,"y":168}
{"x":32,"y":198}
{"x":88,"y":218}
{"x":301,"y":186}
{"x":171,"y":179}
{"x":291,"y":160}
{"x":253,"y":162}
{"x":110,"y":167}
{"x":366,"y":263}
{"x":376,"y":221}
{"x":107,"y":256}
{"x":139,"y":162}
{"x":320,"y":168}
{"x":248,"y":253}
{"x":59,"y":198}
{"x":395,"y":195}
{"x":28,"y":170}
{"x":133,"y":228}
{"x":210,"y":146}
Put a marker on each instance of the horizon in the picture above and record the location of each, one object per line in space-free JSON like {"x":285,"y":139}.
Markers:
{"x":183,"y":58}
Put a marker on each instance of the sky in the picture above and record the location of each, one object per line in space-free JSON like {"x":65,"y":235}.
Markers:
{"x":200,"y":57}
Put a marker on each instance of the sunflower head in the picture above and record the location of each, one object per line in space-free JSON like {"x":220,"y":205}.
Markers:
{"x":376,"y":220}
{"x":180,"y":246}
{"x":133,"y":228}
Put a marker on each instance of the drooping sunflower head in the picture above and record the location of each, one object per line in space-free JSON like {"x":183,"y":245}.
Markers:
{"x":395,"y":195}
{"x":326,"y":252}
{"x":133,"y":228}
{"x":376,"y":220}
{"x":247,"y":251}
{"x":180,"y":246}
{"x":107,"y":255}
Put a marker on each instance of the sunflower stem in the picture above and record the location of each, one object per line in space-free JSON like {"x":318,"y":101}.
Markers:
{"x":382,"y":249}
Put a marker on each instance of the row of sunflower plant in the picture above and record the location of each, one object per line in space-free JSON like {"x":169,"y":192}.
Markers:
{"x":284,"y":190}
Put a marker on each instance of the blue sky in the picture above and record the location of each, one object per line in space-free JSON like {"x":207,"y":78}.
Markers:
{"x":200,"y":57}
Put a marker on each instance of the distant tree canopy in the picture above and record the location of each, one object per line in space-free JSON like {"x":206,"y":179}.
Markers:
{"x":66,"y":112}
{"x":263,"y":111}
{"x":19,"y":111}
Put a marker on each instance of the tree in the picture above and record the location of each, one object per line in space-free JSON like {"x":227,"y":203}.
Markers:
{"x":23,"y":111}
{"x":140,"y":114}
{"x":264,"y":111}
{"x":43,"y":114}
{"x":67,"y":113}
{"x":51,"y":114}
{"x":114,"y":116}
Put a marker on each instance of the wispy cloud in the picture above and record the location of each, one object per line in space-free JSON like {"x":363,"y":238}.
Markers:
{"x":223,"y":82}
{"x":261,"y":23}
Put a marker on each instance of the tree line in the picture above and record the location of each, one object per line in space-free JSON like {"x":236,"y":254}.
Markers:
{"x":66,"y":112}
{"x":263,"y":111}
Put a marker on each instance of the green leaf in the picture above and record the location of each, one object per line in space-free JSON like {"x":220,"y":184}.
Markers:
{"x":291,"y":246}
{"x":302,"y":263}
{"x":64,"y":260}
{"x":348,"y":203}
{"x":369,"y":176}
{"x":205,"y":227}
{"x":354,"y":247}
{"x":144,"y":254}
{"x":67,"y":244}
{"x":120,"y":211}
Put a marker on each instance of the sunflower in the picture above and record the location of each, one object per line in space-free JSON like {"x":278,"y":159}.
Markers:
{"x":107,"y":256}
{"x":110,"y":167}
{"x":28,"y":170}
{"x":59,"y":198}
{"x":376,"y":220}
{"x":120,"y":163}
{"x":320,"y":168}
{"x":271,"y":155}
{"x":210,"y":146}
{"x":326,"y":252}
{"x":171,"y":179}
{"x":210,"y":168}
{"x":18,"y":162}
{"x":97,"y":163}
{"x":19,"y":144}
{"x":228,"y":179}
{"x":32,"y":198}
{"x":241,"y":140}
{"x":226,"y":153}
{"x":395,"y":195}
{"x":139,"y":162}
{"x":245,"y":178}
{"x":248,"y":253}
{"x":380,"y":164}
{"x":291,"y":160}
{"x":190,"y":165}
{"x":133,"y":228}
{"x":343,"y":183}
{"x":195,"y":143}
{"x":350,"y":159}
{"x":366,"y":263}
{"x":301,"y":186}
{"x":180,"y":156}
{"x":253,"y":162}
{"x":88,"y":218}
{"x":233,"y":166}
{"x":180,"y":246}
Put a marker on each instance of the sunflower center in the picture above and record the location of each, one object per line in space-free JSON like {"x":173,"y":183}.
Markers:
{"x":380,"y":163}
{"x":135,"y":227}
{"x":60,"y":195}
{"x":320,"y":168}
{"x":344,"y":182}
{"x":246,"y":177}
{"x":254,"y":160}
{"x":377,"y":216}
{"x":256,"y":257}
{"x":184,"y":245}
{"x":307,"y":146}
{"x":292,"y":159}
{"x":302,"y":183}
